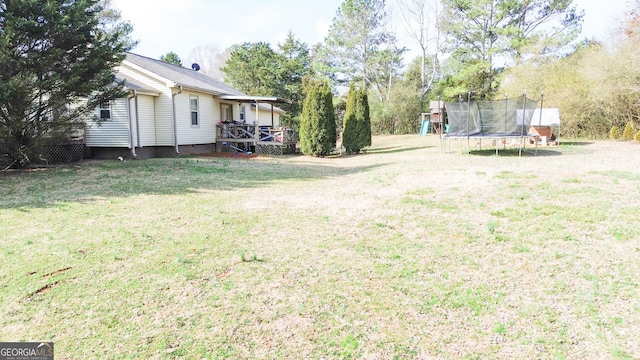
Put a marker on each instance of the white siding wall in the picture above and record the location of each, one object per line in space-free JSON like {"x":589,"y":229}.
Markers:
{"x":217,"y":112}
{"x":110,"y":133}
{"x":146,"y":120}
{"x":132,"y":121}
{"x":161,"y":111}
{"x":162,"y":115}
{"x":204,"y":133}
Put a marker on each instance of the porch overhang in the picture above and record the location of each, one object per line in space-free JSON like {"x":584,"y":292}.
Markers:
{"x":259,"y":99}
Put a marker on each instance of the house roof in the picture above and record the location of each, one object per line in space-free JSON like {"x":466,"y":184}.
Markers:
{"x":181,"y":76}
{"x":261,"y":99}
{"x":195,"y":80}
{"x":267,"y":107}
{"x":264,"y":102}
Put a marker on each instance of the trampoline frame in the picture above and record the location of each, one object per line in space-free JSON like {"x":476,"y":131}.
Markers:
{"x":494,"y":136}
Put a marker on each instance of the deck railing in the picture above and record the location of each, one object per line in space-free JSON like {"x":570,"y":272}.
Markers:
{"x":256,"y":134}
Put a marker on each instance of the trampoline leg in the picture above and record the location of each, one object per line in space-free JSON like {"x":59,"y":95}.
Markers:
{"x":520,"y":148}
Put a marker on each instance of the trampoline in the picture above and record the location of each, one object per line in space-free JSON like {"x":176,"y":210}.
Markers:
{"x":509,"y":118}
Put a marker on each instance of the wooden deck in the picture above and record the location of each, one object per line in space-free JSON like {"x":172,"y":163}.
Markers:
{"x":262,"y":138}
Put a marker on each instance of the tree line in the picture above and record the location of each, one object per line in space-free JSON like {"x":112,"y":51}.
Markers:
{"x":490,"y":48}
{"x":53,"y":54}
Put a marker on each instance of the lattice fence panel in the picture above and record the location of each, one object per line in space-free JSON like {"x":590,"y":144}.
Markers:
{"x":259,"y":149}
{"x":269,"y":150}
{"x":63,"y":153}
{"x":230,"y":148}
{"x":276,"y":149}
{"x":224,"y":148}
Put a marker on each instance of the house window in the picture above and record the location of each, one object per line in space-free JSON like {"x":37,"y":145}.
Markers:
{"x":105,"y":110}
{"x":242,"y":112}
{"x":227,"y":112}
{"x":193,"y":105}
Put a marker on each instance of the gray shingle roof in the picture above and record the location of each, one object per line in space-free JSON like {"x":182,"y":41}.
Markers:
{"x":182,"y":76}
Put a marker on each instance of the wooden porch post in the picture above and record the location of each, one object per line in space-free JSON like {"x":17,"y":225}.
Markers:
{"x":257,"y":129}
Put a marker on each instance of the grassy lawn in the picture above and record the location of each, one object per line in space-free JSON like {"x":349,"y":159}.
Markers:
{"x":403,"y":252}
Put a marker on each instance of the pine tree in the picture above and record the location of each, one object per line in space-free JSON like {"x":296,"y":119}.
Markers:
{"x":364,"y":119}
{"x":54,"y":54}
{"x":171,"y":58}
{"x":317,"y":125}
{"x":350,"y":124}
{"x":356,"y":133}
{"x":614,"y":133}
{"x":627,"y":134}
{"x":482,"y":34}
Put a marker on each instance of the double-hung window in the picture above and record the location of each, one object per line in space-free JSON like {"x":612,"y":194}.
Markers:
{"x":193,"y":105}
{"x":242,"y":113}
{"x":105,"y":110}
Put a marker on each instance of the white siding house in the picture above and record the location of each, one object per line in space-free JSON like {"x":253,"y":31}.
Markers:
{"x":146,"y":118}
{"x":169,"y":110}
{"x":112,"y":130}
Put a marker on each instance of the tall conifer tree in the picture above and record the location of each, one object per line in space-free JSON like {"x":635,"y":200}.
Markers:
{"x":317,"y":125}
{"x":53,"y":54}
{"x":356,"y":133}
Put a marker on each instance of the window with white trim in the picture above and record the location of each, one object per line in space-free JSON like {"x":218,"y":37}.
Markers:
{"x":193,"y":106}
{"x":242,"y":113}
{"x":104,"y":109}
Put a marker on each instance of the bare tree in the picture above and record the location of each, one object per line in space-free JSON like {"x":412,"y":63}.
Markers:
{"x":210,"y":59}
{"x":359,"y":47}
{"x":421,"y":18}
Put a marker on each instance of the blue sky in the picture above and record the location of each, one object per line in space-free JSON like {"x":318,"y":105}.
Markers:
{"x":167,"y":25}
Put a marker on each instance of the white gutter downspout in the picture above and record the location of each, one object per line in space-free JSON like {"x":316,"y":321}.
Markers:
{"x":173,"y":119}
{"x":135,"y":93}
{"x":133,"y":146}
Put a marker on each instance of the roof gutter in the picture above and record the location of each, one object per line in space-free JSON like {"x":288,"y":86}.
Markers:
{"x":173,"y":118}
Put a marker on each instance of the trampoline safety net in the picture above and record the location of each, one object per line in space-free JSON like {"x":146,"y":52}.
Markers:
{"x":498,"y":118}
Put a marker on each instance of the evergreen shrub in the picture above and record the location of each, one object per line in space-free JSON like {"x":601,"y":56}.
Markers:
{"x":614,"y":133}
{"x":317,"y":124}
{"x":356,"y":133}
{"x":627,"y":134}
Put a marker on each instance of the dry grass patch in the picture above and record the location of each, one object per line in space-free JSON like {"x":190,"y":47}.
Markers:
{"x":404,"y":252}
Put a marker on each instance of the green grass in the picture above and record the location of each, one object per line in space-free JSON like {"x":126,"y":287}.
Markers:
{"x":400,"y":253}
